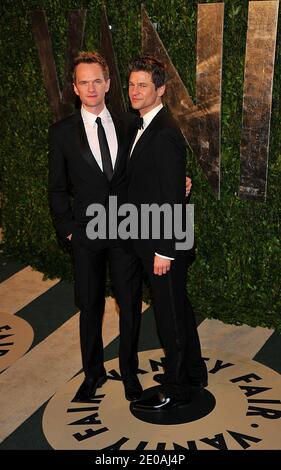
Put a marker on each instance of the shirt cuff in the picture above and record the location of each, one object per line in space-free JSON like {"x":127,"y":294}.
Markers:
{"x":165,"y":257}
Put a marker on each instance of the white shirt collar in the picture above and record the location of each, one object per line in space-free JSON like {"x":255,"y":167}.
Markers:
{"x":90,"y":118}
{"x":147,"y":118}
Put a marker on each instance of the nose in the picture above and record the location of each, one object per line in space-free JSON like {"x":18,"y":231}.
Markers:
{"x":135,"y":90}
{"x":91,"y":87}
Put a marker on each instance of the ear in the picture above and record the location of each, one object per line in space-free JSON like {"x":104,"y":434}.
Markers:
{"x":75,"y":89}
{"x":161,"y":90}
{"x":107,"y":86}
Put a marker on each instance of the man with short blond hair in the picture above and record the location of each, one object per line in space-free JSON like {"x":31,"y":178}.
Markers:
{"x":87,"y":159}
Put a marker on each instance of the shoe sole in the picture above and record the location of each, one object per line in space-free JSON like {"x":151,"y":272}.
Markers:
{"x":160,"y":410}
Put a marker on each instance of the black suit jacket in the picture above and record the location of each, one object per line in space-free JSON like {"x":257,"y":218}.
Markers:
{"x":156,"y":174}
{"x":75,"y":178}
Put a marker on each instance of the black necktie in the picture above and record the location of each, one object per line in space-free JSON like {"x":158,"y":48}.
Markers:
{"x":104,"y":150}
{"x":139,"y":122}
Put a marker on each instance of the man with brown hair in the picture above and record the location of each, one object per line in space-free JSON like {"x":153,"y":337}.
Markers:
{"x":87,"y":159}
{"x":158,"y":158}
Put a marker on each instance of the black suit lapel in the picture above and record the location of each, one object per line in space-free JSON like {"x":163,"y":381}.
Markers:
{"x":84,"y":147}
{"x":130,"y":147}
{"x":120,"y":133}
{"x":146,"y":135}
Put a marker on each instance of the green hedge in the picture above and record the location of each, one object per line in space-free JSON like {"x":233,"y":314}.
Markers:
{"x":236,"y":274}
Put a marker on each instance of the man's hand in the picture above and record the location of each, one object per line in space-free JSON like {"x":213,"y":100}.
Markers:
{"x":188,"y":185}
{"x":161,"y":265}
{"x":69,"y":237}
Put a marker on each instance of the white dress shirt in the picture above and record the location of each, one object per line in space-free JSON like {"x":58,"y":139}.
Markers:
{"x":147,"y":118}
{"x":91,"y":128}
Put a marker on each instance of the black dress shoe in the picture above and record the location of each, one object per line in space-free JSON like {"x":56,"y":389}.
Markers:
{"x":133,"y":388}
{"x":160,"y":379}
{"x":159,"y":402}
{"x":88,"y":388}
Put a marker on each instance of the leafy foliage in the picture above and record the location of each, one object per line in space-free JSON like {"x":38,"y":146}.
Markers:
{"x":236,"y":273}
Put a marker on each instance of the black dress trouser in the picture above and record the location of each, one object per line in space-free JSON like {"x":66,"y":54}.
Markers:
{"x":90,"y":264}
{"x":177,"y":328}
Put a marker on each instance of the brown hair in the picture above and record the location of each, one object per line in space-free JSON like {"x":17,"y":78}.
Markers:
{"x":90,"y":58}
{"x":151,"y":65}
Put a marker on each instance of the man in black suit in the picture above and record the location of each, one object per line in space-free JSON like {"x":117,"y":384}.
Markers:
{"x":87,"y":159}
{"x":156,"y":174}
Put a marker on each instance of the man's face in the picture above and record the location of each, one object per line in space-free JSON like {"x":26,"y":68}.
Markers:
{"x":91,"y":86}
{"x":142,"y":92}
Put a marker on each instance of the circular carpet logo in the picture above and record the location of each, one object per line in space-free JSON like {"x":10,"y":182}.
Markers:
{"x":16,"y":337}
{"x":240,"y":409}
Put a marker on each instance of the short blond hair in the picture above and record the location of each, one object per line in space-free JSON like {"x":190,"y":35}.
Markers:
{"x":92,"y":57}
